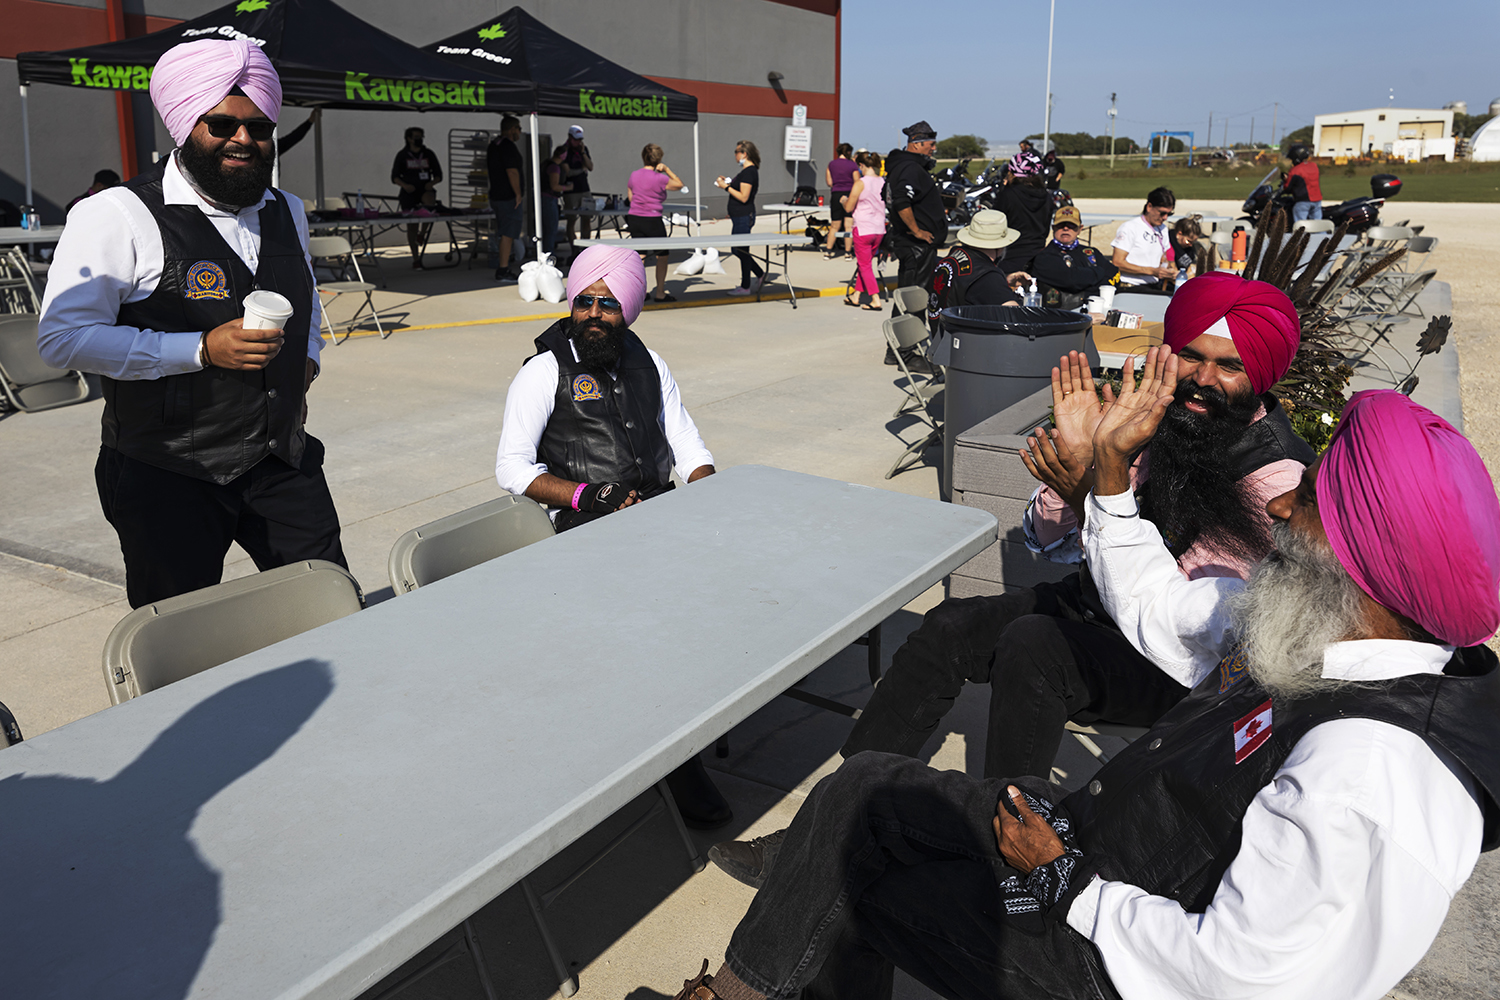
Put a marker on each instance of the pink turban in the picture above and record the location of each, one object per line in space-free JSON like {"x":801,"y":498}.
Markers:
{"x":1257,"y":316}
{"x":622,"y":271}
{"x":192,"y":78}
{"x":1411,"y":513}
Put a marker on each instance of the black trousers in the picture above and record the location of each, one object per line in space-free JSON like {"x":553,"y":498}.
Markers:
{"x":1047,"y":659}
{"x":914,"y":261}
{"x":175,"y":530}
{"x":892,"y":864}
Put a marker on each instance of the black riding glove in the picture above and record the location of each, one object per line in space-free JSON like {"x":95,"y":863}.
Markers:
{"x":602,"y":498}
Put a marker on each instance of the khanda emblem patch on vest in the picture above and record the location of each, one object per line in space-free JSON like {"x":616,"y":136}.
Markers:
{"x":586,"y":387}
{"x":1232,"y":667}
{"x":206,"y":280}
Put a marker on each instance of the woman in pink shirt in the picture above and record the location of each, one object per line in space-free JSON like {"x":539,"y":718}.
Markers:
{"x":648,"y":192}
{"x":864,"y":202}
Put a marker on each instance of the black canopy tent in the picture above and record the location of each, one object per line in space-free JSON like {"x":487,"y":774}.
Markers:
{"x":325,"y":56}
{"x":569,"y":80}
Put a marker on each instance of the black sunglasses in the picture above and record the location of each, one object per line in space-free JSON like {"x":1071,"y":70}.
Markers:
{"x":606,"y":303}
{"x":225,"y":127}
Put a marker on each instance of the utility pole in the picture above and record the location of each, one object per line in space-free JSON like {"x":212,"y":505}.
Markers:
{"x":1252,"y":131}
{"x":1275,"y":136}
{"x":1047,"y":114}
{"x":1210,"y":132}
{"x":1226,"y":133}
{"x":1111,"y":131}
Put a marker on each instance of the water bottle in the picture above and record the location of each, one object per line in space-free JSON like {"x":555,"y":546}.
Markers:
{"x":359,"y":203}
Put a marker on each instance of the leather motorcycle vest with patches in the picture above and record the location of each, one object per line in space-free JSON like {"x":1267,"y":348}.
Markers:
{"x":214,"y":424}
{"x":606,"y":430}
{"x":1166,"y":813}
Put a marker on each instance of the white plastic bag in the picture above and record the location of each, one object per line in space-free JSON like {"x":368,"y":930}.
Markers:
{"x":549,"y":280}
{"x":711,"y":263}
{"x":527,"y":283}
{"x":693,"y":265}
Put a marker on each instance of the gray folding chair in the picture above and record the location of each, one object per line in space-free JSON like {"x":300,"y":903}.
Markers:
{"x":27,"y":383}
{"x":335,"y":253}
{"x":911,"y":299}
{"x":18,"y":292}
{"x":164,"y":642}
{"x":455,"y":543}
{"x":1417,"y":249}
{"x":903,"y":333}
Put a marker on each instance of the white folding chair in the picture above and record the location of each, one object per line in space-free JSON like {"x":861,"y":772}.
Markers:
{"x":903,"y":333}
{"x":335,"y":253}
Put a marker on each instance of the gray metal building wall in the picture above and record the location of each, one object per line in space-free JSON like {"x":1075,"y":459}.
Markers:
{"x":74,"y":133}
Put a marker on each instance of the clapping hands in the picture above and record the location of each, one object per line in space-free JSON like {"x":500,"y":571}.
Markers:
{"x":1130,"y":419}
{"x":1062,"y":458}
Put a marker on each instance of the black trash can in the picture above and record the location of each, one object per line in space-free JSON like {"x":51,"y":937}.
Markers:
{"x":999,"y":355}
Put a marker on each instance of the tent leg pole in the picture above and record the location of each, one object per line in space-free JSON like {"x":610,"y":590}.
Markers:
{"x":26,"y":145}
{"x":276,"y":163}
{"x":697,"y":186}
{"x":536,"y":185}
{"x":318,"y":154}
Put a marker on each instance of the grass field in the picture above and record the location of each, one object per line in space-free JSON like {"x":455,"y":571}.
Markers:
{"x":1472,"y":182}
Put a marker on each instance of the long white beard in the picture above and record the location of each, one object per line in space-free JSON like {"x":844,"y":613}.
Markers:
{"x":1299,"y":600}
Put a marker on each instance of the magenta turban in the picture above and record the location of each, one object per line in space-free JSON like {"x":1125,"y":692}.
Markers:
{"x":192,"y":78}
{"x":1411,"y":513}
{"x":1257,"y":316}
{"x":621,"y":270}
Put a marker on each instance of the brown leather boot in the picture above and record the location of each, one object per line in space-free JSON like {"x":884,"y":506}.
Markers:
{"x":698,"y":988}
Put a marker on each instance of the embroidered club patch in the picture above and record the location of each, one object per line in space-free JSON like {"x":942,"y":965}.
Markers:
{"x":1251,"y":731}
{"x":1232,"y":668}
{"x":586,"y":387}
{"x":206,"y":280}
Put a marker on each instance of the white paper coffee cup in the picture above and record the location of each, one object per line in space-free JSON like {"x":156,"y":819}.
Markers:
{"x":266,"y":310}
{"x":1096,"y":305}
{"x":1107,"y":293}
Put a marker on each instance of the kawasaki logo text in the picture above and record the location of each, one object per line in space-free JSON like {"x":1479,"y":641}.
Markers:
{"x":112,"y":77}
{"x":591,"y":102}
{"x":363,"y":87}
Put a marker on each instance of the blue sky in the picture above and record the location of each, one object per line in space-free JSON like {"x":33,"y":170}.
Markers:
{"x":979,"y":66}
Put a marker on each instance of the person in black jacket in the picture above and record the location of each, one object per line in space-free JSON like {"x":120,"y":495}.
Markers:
{"x":918,"y":225}
{"x":1069,"y":272}
{"x":416,"y":171}
{"x":1027,"y":203}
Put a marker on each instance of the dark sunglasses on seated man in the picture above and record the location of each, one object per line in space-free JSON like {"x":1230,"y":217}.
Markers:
{"x":225,"y":127}
{"x":606,"y":303}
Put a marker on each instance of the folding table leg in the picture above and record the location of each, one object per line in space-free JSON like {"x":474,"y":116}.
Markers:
{"x":567,"y":983}
{"x":695,"y":858}
{"x":721,"y":748}
{"x":871,"y":641}
{"x":484,"y":973}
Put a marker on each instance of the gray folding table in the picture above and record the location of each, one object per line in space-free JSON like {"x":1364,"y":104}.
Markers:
{"x":783,"y":242}
{"x":301,"y":821}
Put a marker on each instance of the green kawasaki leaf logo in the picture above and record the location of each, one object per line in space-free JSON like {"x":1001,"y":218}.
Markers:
{"x":489,"y":34}
{"x":250,"y":6}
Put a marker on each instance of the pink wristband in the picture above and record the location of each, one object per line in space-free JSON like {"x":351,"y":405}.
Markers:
{"x":578,"y":493}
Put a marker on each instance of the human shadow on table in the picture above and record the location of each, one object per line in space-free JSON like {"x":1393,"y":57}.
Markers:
{"x":93,"y":917}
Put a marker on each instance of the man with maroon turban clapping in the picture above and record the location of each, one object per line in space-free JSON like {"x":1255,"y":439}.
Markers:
{"x":1295,"y":827}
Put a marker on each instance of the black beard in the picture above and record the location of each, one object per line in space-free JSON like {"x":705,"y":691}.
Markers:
{"x":598,"y":344}
{"x":237,"y":188}
{"x":1192,"y":487}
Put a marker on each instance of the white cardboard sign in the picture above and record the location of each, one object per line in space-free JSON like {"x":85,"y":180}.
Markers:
{"x":798,"y":143}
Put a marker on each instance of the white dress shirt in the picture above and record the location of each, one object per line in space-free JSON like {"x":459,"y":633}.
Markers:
{"x":1349,"y":857}
{"x":528,"y":407}
{"x":110,"y":254}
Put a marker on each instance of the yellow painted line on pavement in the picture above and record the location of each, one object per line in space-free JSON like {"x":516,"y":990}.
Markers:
{"x":725,"y":300}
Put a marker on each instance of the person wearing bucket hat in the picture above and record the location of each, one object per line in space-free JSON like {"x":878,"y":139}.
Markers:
{"x":204,"y":430}
{"x":971,"y":273}
{"x":1067,"y":270}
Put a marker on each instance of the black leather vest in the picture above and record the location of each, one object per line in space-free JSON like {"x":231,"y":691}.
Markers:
{"x":606,"y":430}
{"x":1165,"y":814}
{"x":953,"y":275}
{"x":214,"y":424}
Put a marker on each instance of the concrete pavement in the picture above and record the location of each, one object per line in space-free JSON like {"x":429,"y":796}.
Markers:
{"x":411,"y":423}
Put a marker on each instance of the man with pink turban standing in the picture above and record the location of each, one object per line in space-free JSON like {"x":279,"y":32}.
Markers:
{"x":204,"y":438}
{"x":1296,"y":827}
{"x":594,"y":422}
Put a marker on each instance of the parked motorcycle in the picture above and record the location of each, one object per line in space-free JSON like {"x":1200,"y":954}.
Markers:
{"x":1360,"y":213}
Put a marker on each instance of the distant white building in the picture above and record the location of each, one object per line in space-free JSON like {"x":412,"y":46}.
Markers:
{"x":1485,"y":145}
{"x":1358,"y":133}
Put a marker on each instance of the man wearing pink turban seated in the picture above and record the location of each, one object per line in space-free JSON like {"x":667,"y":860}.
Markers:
{"x":594,"y":422}
{"x":204,"y":438}
{"x":1296,"y":827}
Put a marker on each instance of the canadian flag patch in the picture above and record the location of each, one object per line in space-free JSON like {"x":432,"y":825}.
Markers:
{"x":1251,"y":731}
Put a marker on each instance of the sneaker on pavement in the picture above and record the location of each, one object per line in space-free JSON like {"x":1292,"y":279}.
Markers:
{"x":748,"y":861}
{"x":740,"y":291}
{"x":918,"y":365}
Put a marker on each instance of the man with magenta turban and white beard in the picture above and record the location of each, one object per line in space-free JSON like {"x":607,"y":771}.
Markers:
{"x":1296,"y":827}
{"x":594,"y":422}
{"x":204,"y":441}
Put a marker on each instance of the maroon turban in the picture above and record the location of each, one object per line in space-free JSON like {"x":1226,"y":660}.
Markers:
{"x":1257,"y":316}
{"x":1411,"y":513}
